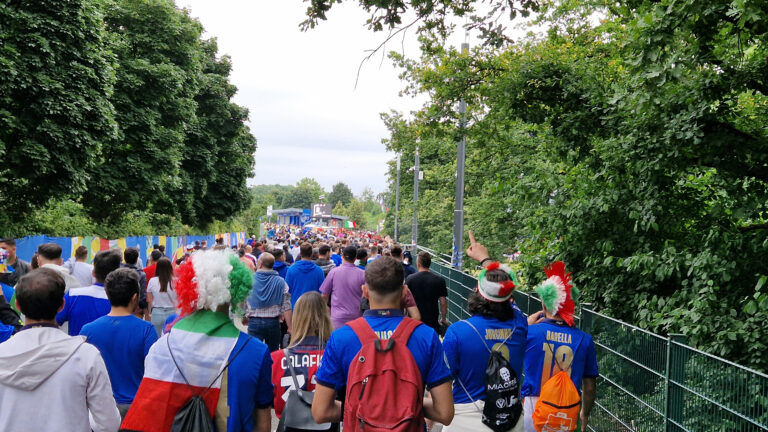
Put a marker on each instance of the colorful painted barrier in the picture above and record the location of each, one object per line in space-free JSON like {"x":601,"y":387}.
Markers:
{"x":174,"y":245}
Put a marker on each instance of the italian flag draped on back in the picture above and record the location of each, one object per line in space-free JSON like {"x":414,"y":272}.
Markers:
{"x":201,"y":344}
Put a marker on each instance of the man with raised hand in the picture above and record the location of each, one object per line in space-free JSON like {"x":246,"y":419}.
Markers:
{"x":552,"y":339}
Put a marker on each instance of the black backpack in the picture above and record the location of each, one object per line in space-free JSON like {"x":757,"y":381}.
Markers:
{"x":193,"y":416}
{"x":503,"y":405}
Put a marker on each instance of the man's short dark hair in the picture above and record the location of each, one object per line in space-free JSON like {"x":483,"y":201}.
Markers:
{"x":104,"y":263}
{"x":323,"y":249}
{"x":9,"y":241}
{"x":121,"y":285}
{"x":305,"y":250}
{"x":161,"y":248}
{"x":424,"y":259}
{"x":156,"y":255}
{"x":49,"y":251}
{"x":397,"y":252}
{"x":362,"y":254}
{"x":384,"y":275}
{"x":277,"y":253}
{"x":131,"y":255}
{"x":374,"y":250}
{"x":81,"y":252}
{"x":40,"y":293}
{"x":349,"y":253}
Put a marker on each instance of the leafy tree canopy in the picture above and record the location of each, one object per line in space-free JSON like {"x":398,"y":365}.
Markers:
{"x":634,"y":148}
{"x":340,"y":193}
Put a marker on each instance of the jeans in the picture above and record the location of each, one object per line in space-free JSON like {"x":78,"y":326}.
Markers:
{"x":159,"y":316}
{"x":266,"y":330}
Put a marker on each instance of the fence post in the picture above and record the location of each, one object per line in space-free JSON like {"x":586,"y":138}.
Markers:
{"x":673,"y":395}
{"x":585,"y":319}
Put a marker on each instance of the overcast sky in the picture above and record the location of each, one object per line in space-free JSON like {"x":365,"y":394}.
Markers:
{"x":308,"y":118}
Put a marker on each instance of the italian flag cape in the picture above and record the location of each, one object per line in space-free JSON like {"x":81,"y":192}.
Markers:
{"x":201,"y":344}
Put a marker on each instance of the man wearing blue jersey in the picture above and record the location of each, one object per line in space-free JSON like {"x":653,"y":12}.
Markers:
{"x":553,"y":341}
{"x":384,"y":288}
{"x":86,"y":304}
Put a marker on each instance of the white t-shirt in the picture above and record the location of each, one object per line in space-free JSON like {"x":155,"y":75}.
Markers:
{"x":83,"y":273}
{"x":165,"y":299}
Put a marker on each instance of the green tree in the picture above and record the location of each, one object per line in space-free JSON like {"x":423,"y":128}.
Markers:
{"x":158,"y":50}
{"x":633,"y":149}
{"x":219,"y":149}
{"x":356,"y":212}
{"x":340,"y":193}
{"x":57,"y":73}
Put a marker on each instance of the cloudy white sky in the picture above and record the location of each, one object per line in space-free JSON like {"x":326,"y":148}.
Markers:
{"x":308,"y":117}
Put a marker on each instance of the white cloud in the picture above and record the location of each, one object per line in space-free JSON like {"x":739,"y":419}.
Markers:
{"x":299,"y":87}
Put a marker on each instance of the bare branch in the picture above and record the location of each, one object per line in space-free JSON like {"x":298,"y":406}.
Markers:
{"x":381,"y":45}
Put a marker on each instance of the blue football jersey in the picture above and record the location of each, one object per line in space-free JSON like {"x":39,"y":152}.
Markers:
{"x":552,"y":345}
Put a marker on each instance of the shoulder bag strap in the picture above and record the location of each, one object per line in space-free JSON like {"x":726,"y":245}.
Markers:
{"x":291,"y":369}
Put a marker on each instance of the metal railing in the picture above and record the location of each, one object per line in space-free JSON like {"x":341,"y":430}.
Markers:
{"x":648,"y":382}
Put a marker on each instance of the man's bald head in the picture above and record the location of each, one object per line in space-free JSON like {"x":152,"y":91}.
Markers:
{"x":267,"y":260}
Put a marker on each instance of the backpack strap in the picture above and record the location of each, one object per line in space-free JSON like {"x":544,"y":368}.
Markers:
{"x":552,"y":350}
{"x":456,"y":375}
{"x":363,"y":330}
{"x":405,"y":329}
{"x":191,"y":389}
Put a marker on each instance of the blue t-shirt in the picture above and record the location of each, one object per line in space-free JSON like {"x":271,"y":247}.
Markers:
{"x":83,"y":305}
{"x":249,"y":383}
{"x":467,"y":357}
{"x":571,"y":347}
{"x":343,"y":345}
{"x":8,"y":292}
{"x":6,"y":331}
{"x":123,"y":342}
{"x":302,"y":277}
{"x":336,"y":258}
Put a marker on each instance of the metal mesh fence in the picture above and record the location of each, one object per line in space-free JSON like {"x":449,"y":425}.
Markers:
{"x":649,"y":383}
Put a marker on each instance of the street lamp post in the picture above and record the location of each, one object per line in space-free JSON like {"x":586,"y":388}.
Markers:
{"x":457,"y":257}
{"x":415,"y":229}
{"x":397,"y":198}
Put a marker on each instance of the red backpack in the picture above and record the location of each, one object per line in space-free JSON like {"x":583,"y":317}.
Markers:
{"x":384,"y":387}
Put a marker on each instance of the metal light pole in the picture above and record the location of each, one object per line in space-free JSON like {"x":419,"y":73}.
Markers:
{"x":415,"y":229}
{"x":457,"y":257}
{"x":397,"y":198}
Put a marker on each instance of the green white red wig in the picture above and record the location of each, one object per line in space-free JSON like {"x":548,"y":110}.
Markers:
{"x":211,"y":278}
{"x":557,"y":293}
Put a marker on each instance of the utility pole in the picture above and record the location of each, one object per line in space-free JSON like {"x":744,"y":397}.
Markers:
{"x":397,"y":198}
{"x":457,"y":257}
{"x":415,"y":229}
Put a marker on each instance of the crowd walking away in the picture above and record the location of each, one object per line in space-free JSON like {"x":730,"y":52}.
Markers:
{"x":297,"y":330}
